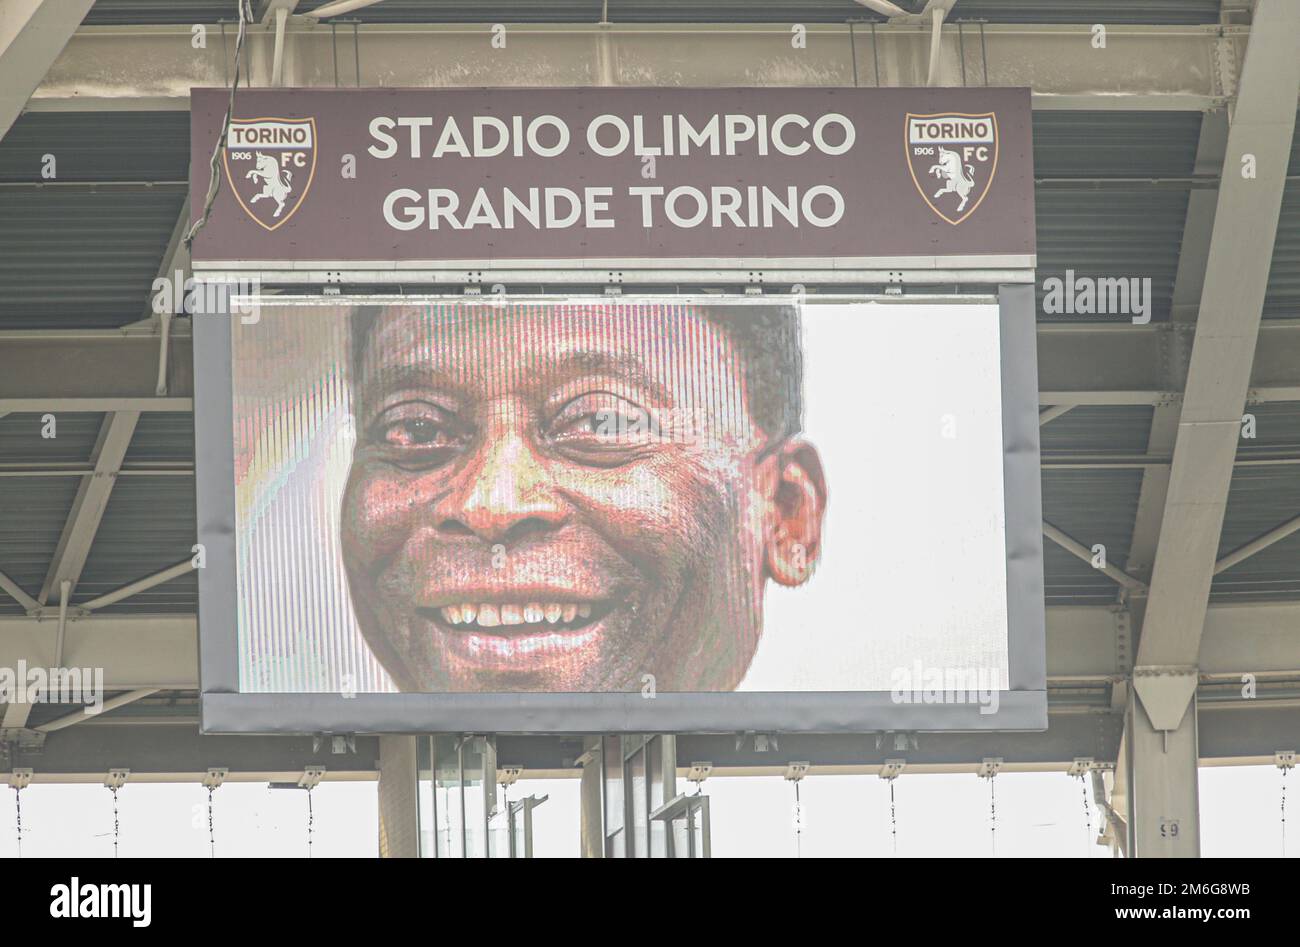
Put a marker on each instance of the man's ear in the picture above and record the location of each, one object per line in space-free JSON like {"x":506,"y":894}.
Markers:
{"x":797,"y":502}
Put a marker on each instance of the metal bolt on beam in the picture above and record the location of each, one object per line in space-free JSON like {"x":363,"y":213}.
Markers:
{"x":794,"y":772}
{"x":1081,"y":765}
{"x":699,"y":772}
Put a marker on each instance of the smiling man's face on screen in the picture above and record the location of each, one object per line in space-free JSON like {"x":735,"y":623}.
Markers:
{"x":569,"y":498}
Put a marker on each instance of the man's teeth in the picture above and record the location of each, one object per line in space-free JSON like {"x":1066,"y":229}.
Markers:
{"x":488,"y":615}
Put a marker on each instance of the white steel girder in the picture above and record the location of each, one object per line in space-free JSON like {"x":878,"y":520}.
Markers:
{"x":89,"y":505}
{"x":32,"y":34}
{"x":1160,"y":740}
{"x":1141,"y":67}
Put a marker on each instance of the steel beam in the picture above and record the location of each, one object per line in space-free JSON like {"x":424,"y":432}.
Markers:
{"x":1052,"y":412}
{"x":591,"y":831}
{"x":1257,"y":544}
{"x":1143,"y":67}
{"x":1226,"y":338}
{"x":399,"y":798}
{"x":32,"y":34}
{"x":139,"y":585}
{"x":44,"y":371}
{"x":89,"y":505}
{"x":1160,"y":733}
{"x":1188,"y":283}
{"x":179,"y":753}
{"x":134,"y":651}
{"x":1120,"y":364}
{"x":1247,"y":734}
{"x":1078,"y":549}
{"x":1089,"y":642}
{"x":15,"y":715}
{"x":18,"y":594}
{"x":1162,"y":791}
{"x":80,"y":716}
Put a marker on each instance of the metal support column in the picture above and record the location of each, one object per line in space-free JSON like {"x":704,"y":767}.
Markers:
{"x":1163,"y":797}
{"x":591,"y":823}
{"x":1161,"y":725}
{"x":399,"y":824}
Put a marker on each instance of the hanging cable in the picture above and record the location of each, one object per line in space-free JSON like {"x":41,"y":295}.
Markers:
{"x":214,"y":179}
{"x":889,"y":772}
{"x":17,"y":814}
{"x":1087,"y":816}
{"x":893,"y":818}
{"x":310,"y":820}
{"x":993,"y":817}
{"x":798,"y":824}
{"x":212,"y":837}
{"x":795,"y":772}
{"x":1284,"y":769}
{"x":117,"y":828}
{"x":989,"y":770}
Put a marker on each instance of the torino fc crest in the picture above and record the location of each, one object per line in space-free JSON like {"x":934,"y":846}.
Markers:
{"x":952,"y":156}
{"x":269,"y":164}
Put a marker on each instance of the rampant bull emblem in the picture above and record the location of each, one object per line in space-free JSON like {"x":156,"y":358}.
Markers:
{"x":957,"y":151}
{"x":271,"y":160}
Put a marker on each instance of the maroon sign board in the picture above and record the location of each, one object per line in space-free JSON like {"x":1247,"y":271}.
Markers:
{"x":823,"y":176}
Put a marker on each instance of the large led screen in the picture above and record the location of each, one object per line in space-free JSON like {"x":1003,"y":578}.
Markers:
{"x":675,"y":513}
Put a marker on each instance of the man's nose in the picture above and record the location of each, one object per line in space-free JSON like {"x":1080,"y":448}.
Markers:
{"x":503,"y":496}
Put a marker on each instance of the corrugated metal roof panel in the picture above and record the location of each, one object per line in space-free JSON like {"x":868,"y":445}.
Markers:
{"x":32,"y":513}
{"x":1294,"y":166}
{"x":81,"y":257}
{"x":75,"y":433}
{"x":1282,"y":300}
{"x":1277,"y":429}
{"x":148,"y":525}
{"x":125,"y":12}
{"x":162,"y":437}
{"x":1115,"y":143}
{"x":1111,"y":231}
{"x":1188,"y":12}
{"x":98,"y":146}
{"x":1099,"y":428}
{"x":1092,"y":506}
{"x":741,"y":11}
{"x":1261,"y":499}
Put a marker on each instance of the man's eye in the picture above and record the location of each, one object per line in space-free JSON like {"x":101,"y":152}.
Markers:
{"x":415,"y":432}
{"x":606,"y":421}
{"x":614,"y":424}
{"x":416,"y":427}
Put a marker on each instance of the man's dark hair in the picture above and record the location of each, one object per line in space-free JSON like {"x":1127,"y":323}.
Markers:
{"x":768,"y":338}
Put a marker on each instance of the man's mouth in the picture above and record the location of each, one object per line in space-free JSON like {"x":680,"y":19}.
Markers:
{"x":518,"y":636}
{"x":562,"y":616}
